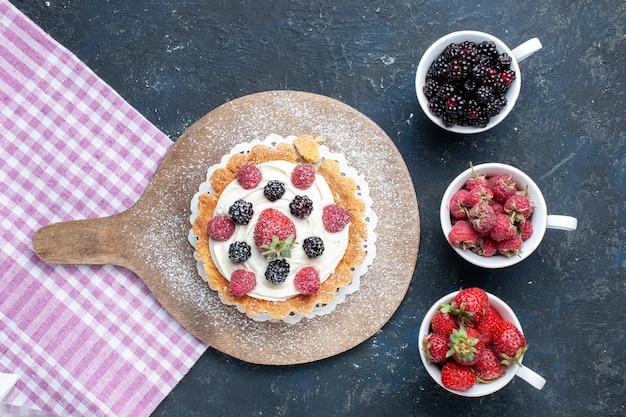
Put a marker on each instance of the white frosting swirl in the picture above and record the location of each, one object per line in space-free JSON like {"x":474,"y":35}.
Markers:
{"x":334,"y":243}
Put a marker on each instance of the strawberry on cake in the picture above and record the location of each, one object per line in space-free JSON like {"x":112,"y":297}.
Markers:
{"x":280,"y":229}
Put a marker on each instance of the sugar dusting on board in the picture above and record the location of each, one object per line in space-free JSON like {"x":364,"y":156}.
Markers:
{"x":187,"y":297}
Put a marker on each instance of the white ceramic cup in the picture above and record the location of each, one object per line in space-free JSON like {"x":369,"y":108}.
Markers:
{"x":540,"y":218}
{"x":518,"y":54}
{"x":479,"y":389}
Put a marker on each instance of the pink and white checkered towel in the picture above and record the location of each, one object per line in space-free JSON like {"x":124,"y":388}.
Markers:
{"x":85,"y":341}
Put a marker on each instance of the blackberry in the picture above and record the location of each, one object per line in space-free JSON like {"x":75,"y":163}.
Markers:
{"x":488,"y":49}
{"x":451,"y":51}
{"x":504,"y":62}
{"x":466,"y":84}
{"x":507,"y":77}
{"x":455,"y":105}
{"x":431,"y":87}
{"x":473,"y":110}
{"x":484,"y":93}
{"x":274,"y":190}
{"x":313,"y":246}
{"x":301,"y":206}
{"x":239,"y":252}
{"x":241,"y":212}
{"x":277,"y":271}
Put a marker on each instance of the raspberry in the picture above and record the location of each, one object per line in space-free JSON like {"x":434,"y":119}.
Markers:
{"x":510,"y":247}
{"x":479,"y":194}
{"x":274,"y":190}
{"x":242,"y":282}
{"x":301,"y":206}
{"x":241,"y":212}
{"x":518,"y":207}
{"x":503,"y":186}
{"x":313,"y":246}
{"x":476,"y":180}
{"x":503,"y":229}
{"x":249,"y":176}
{"x":239,"y":252}
{"x":303,"y":176}
{"x":307,"y":280}
{"x":525,"y":229}
{"x":459,"y":206}
{"x":277,"y":271}
{"x":482,"y":217}
{"x":485,"y":246}
{"x":221,"y":228}
{"x":335,"y":218}
{"x":463,"y":235}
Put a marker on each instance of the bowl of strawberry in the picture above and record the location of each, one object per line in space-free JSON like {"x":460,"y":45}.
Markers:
{"x":494,"y":215}
{"x":472,"y":344}
{"x":468,"y":81}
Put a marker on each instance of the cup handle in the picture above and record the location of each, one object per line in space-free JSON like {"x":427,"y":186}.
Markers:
{"x":530,"y":376}
{"x":527,"y":49}
{"x":562,"y":222}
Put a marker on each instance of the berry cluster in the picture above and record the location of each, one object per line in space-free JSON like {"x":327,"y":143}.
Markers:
{"x":467,"y":83}
{"x":275,"y":233}
{"x":471,"y":342}
{"x":491,"y":216}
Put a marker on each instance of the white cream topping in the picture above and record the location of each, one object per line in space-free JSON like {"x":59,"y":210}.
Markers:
{"x":335,"y":244}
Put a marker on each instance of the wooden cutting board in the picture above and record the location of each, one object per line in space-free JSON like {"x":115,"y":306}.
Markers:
{"x":151,"y":237}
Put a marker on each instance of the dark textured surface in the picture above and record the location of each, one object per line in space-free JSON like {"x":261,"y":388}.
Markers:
{"x":176,"y":60}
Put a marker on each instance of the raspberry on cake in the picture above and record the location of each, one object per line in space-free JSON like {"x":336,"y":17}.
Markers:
{"x":299,"y":229}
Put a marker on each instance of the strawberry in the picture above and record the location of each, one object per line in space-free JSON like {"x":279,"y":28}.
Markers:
{"x":479,"y":194}
{"x":518,"y":207}
{"x":435,"y":347}
{"x":482,"y":217}
{"x":459,"y":205}
{"x":503,"y":229}
{"x":457,"y":377}
{"x":242,"y":282}
{"x":249,"y":176}
{"x":471,"y":304}
{"x":274,"y":232}
{"x":508,"y":342}
{"x":463,"y":235}
{"x":307,"y":280}
{"x":511,"y":247}
{"x":443,"y":323}
{"x":475,"y":180}
{"x":303,"y":176}
{"x":487,"y":324}
{"x":465,"y":345}
{"x":485,"y":246}
{"x":503,"y":186}
{"x":335,"y":218}
{"x":488,"y":366}
{"x":221,"y":227}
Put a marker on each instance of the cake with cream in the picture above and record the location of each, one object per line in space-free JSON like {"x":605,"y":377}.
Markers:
{"x":280,"y":228}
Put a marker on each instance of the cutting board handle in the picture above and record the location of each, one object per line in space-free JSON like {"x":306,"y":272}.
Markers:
{"x":96,"y":241}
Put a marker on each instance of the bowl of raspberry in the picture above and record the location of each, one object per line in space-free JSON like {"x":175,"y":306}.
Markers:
{"x":468,"y":81}
{"x":494,"y":215}
{"x":472,"y":344}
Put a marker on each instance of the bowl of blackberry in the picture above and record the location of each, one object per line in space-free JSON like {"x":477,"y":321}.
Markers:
{"x":468,"y":81}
